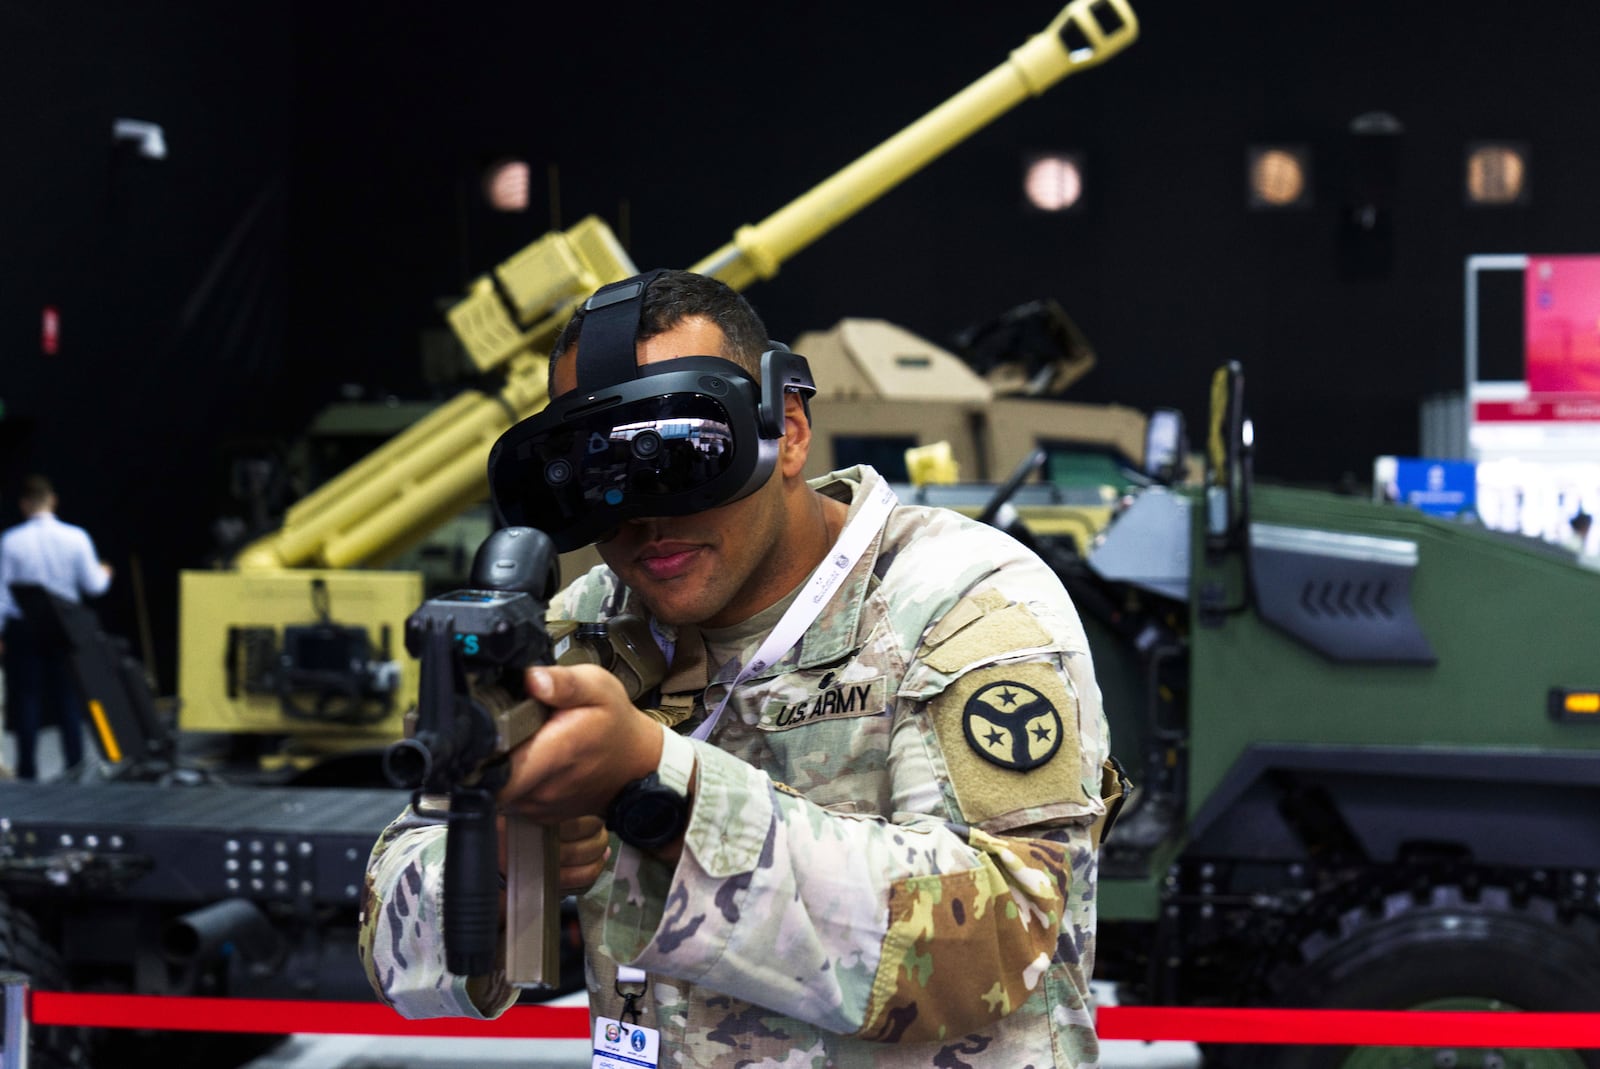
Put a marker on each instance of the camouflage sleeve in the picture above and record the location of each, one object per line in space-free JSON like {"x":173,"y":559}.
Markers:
{"x":402,"y":931}
{"x":594,"y":595}
{"x":906,"y":930}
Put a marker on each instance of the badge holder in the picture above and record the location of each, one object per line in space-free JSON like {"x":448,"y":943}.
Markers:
{"x":625,"y":1043}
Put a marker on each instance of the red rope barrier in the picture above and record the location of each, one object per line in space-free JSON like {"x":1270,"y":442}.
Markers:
{"x":1377,"y":1028}
{"x":171,"y":1014}
{"x":1368,"y":1028}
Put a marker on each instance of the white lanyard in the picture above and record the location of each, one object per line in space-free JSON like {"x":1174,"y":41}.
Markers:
{"x":838,"y":562}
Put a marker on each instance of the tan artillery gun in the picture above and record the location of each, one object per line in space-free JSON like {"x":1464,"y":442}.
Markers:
{"x":300,"y":638}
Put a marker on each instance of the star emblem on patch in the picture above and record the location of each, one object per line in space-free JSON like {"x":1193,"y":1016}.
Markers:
{"x":1012,"y":725}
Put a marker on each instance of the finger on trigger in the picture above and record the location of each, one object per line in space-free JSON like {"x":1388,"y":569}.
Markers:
{"x":539,"y":683}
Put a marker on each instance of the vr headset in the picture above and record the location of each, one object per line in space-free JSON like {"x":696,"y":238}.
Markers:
{"x":667,"y":439}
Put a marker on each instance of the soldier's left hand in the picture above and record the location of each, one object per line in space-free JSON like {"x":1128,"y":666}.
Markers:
{"x":585,"y":847}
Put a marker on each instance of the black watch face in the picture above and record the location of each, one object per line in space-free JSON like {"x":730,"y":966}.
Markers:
{"x":651,"y":816}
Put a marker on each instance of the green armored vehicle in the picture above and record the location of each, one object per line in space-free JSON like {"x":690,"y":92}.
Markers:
{"x":1367,"y":748}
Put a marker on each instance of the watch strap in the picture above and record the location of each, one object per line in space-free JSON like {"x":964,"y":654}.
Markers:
{"x":650,"y":813}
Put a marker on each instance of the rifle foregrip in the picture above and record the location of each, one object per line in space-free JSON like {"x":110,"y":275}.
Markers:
{"x":471,"y":884}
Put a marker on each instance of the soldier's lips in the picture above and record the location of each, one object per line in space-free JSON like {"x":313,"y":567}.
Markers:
{"x":668,"y":563}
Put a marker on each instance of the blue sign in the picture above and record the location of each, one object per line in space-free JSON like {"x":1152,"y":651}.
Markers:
{"x":1442,"y":487}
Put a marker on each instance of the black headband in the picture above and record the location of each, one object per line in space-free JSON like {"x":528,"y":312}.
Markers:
{"x":608,"y":338}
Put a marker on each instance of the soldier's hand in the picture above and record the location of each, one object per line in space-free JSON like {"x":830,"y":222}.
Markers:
{"x":585,"y":846}
{"x":593,"y":743}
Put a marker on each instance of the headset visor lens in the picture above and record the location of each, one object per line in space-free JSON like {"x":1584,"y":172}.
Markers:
{"x":639,"y":457}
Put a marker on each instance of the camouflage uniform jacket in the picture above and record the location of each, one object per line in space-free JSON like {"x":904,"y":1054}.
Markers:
{"x":888,"y":861}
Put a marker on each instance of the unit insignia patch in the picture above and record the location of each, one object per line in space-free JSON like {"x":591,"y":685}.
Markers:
{"x":1009,"y":737}
{"x":1012,"y":725}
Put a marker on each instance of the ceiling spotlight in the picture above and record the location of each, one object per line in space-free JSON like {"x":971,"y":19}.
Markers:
{"x":146,"y":138}
{"x":1053,"y":182}
{"x":505,"y":185}
{"x":1497,"y":174}
{"x":1280,"y":176}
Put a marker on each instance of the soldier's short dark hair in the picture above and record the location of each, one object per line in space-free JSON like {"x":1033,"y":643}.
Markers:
{"x":675,"y":296}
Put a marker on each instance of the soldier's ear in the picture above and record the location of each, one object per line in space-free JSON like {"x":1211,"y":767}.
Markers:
{"x":795,"y":445}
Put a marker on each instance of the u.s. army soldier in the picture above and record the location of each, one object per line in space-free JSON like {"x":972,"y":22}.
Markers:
{"x":854,"y":827}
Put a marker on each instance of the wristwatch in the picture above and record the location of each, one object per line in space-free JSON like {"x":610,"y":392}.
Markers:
{"x":648,"y":814}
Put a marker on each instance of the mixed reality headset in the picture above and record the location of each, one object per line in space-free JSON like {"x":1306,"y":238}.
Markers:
{"x":666,"y":439}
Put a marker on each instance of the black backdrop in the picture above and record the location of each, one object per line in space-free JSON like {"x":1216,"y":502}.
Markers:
{"x":317,"y":206}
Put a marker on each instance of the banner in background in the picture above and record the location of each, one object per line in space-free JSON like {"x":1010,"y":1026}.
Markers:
{"x":1561,"y":324}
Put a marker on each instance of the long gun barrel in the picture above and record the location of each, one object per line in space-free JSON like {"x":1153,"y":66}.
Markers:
{"x":435,"y":469}
{"x":1083,"y":35}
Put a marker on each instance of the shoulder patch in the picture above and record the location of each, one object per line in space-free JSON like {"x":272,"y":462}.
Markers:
{"x":1009,"y":735}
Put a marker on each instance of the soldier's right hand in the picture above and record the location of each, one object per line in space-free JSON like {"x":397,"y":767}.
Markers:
{"x":592,"y":744}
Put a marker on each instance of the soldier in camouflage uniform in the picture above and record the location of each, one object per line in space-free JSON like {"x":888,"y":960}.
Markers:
{"x":889,"y":857}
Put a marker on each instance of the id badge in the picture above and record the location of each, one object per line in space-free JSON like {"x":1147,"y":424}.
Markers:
{"x":618,"y":1045}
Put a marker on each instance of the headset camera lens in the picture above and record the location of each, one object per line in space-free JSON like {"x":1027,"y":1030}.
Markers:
{"x":557,"y":472}
{"x":646,"y":444}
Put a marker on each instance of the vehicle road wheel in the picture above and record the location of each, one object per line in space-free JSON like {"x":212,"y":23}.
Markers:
{"x":1450,"y":951}
{"x":23,"y":949}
